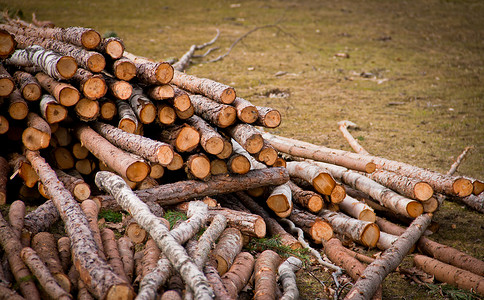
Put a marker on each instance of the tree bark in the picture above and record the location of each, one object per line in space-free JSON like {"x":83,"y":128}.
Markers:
{"x":127,"y":118}
{"x":173,"y":193}
{"x":237,"y":277}
{"x":268,"y":117}
{"x":144,"y":109}
{"x":91,"y":211}
{"x":94,"y":271}
{"x":92,"y":86}
{"x":64,"y":248}
{"x":307,"y":199}
{"x":28,"y":85}
{"x":37,"y":134}
{"x":265,"y":271}
{"x":181,"y":103}
{"x":149,"y":72}
{"x":322,"y":181}
{"x":64,"y":93}
{"x":42,"y":274}
{"x":141,"y":213}
{"x":287,"y":277}
{"x":449,"y":274}
{"x":218,"y":114}
{"x":126,"y":165}
{"x":4,"y":170}
{"x":112,"y":253}
{"x":154,"y":151}
{"x":366,"y":286}
{"x":227,"y":248}
{"x":317,"y":228}
{"x":16,"y":215}
{"x":111,"y":46}
{"x":208,"y":238}
{"x":7,"y":85}
{"x":75,"y":184}
{"x":126,"y":253}
{"x":214,"y":90}
{"x":210,"y":140}
{"x":357,"y":209}
{"x":246,"y":111}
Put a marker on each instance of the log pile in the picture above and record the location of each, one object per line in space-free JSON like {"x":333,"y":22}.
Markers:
{"x":89,"y":128}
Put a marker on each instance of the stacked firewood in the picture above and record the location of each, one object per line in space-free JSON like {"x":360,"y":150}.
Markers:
{"x":88,"y":126}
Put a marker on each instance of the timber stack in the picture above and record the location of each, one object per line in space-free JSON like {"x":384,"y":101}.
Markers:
{"x":88,"y":128}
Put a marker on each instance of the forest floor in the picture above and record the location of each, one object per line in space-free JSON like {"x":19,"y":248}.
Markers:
{"x":409,"y":73}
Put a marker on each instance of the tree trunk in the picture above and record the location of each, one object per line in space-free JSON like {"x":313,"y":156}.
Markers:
{"x":7,"y":85}
{"x":120,"y":161}
{"x":173,"y":193}
{"x":94,"y":271}
{"x":37,"y":134}
{"x":44,"y":244}
{"x":238,"y":164}
{"x":28,"y":85}
{"x":12,"y":247}
{"x":17,"y":106}
{"x":221,"y":115}
{"x":127,"y":118}
{"x":51,"y":110}
{"x":197,"y":166}
{"x":406,"y":186}
{"x":227,"y":248}
{"x":42,"y":274}
{"x":214,"y":90}
{"x":386,"y":197}
{"x":247,"y":136}
{"x":64,"y":248}
{"x":166,"y":114}
{"x":119,"y":89}
{"x":182,"y":104}
{"x":265,"y":271}
{"x":237,"y":277}
{"x":64,"y":93}
{"x":8,"y":44}
{"x":210,"y":140}
{"x":183,"y":137}
{"x":4,"y":170}
{"x":268,"y":117}
{"x":287,"y":277}
{"x":366,"y":286}
{"x":357,"y":209}
{"x":216,"y":283}
{"x":208,"y":238}
{"x":218,"y":167}
{"x":161,"y":92}
{"x":126,"y":253}
{"x":123,"y":69}
{"x":449,"y":274}
{"x":317,"y":228}
{"x":92,"y":86}
{"x":475,"y":202}
{"x":107,"y":109}
{"x":112,"y":253}
{"x":75,"y":184}
{"x":322,"y":181}
{"x":141,"y":213}
{"x":386,"y":241}
{"x":144,"y":109}
{"x":280,"y":200}
{"x":246,"y":111}
{"x":111,"y":46}
{"x":364,"y":232}
{"x":87,"y":110}
{"x":41,"y":218}
{"x":149,"y":72}
{"x":154,"y":151}
{"x":307,"y":199}
{"x":247,"y":223}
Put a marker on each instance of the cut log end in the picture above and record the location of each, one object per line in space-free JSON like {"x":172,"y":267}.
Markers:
{"x":478,"y":187}
{"x":268,"y":156}
{"x":94,"y":88}
{"x":248,"y":114}
{"x":315,"y":203}
{"x":6,"y":86}
{"x":166,"y":114}
{"x":227,"y":117}
{"x":82,"y":191}
{"x":120,"y":292}
{"x":127,"y":125}
{"x":87,"y":109}
{"x":4,"y":125}
{"x":176,"y":163}
{"x":324,"y":184}
{"x":200,"y":166}
{"x":31,"y":92}
{"x":272,"y":119}
{"x":239,"y":164}
{"x":370,"y":167}
{"x":228,"y":96}
{"x":157,"y":171}
{"x":187,"y":140}
{"x":108,"y":110}
{"x":214,"y":145}
{"x":164,"y":73}
{"x":125,"y":70}
{"x":18,"y":110}
{"x":96,"y":63}
{"x":423,"y":191}
{"x":254,"y":144}
{"x":165,"y":155}
{"x":34,"y":139}
{"x":137,"y":171}
{"x":462,"y":187}
{"x":7,"y":44}
{"x":55,"y":113}
{"x":69,"y":96}
{"x":367,"y":215}
{"x":278,"y":203}
{"x":90,"y":39}
{"x":338,"y":194}
{"x":122,"y":90}
{"x":370,"y":235}
{"x":414,"y":209}
{"x":114,"y":49}
{"x":66,"y":66}
{"x":321,"y":230}
{"x":148,"y":114}
{"x":136,"y":233}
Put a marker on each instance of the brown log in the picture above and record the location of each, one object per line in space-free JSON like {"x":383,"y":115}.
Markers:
{"x":63,"y":158}
{"x":107,"y":109}
{"x":183,"y":137}
{"x":267,"y":155}
{"x":37,"y":134}
{"x":21,"y":166}
{"x":306,"y":199}
{"x":247,"y":136}
{"x":4,"y":170}
{"x":366,"y":286}
{"x":44,"y":244}
{"x":246,"y":111}
{"x":216,"y":283}
{"x":120,"y":161}
{"x":7,"y":85}
{"x":198,"y":166}
{"x":42,"y":274}
{"x":123,"y":69}
{"x":357,"y":209}
{"x":265,"y":271}
{"x":227,"y":150}
{"x":449,"y":274}
{"x":151,"y":254}
{"x":28,"y":85}
{"x":64,"y":248}
{"x":280,"y":200}
{"x":322,"y":181}
{"x":92,"y":86}
{"x":55,"y":65}
{"x":87,"y":110}
{"x":218,"y":167}
{"x":111,"y":46}
{"x":150,"y":72}
{"x":227,"y":248}
{"x":238,"y":164}
{"x":166,"y":114}
{"x":237,"y":277}
{"x":17,"y":106}
{"x":268,"y":117}
{"x":4,"y":125}
{"x":126,"y":252}
{"x":438,"y":251}
{"x":41,"y":218}
{"x":154,"y":151}
{"x":85,"y":166}
{"x":12,"y":247}
{"x":119,"y":89}
{"x":386,"y":197}
{"x":144,"y":109}
{"x":210,"y":140}
{"x":174,"y":193}
{"x":91,"y":211}
{"x":16,"y":215}
{"x":51,"y":110}
{"x":7,"y":42}
{"x":221,"y":115}
{"x":61,"y":137}
{"x":112,"y":254}
{"x":64,"y":93}
{"x":317,"y":228}
{"x":336,"y":252}
{"x":181,"y":103}
{"x":75,"y":184}
{"x":209,"y":88}
{"x":157,"y":170}
{"x":127,"y":118}
{"x":406,"y":186}
{"x":177,"y":162}
{"x":161,"y":92}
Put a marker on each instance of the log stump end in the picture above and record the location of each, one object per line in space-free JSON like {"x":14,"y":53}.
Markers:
{"x":6,"y":86}
{"x":67,"y":67}
{"x":315,"y":203}
{"x":69,"y":96}
{"x":90,"y":39}
{"x":165,"y":155}
{"x":96,"y":63}
{"x":32,"y":92}
{"x":137,"y":171}
{"x":414,"y":209}
{"x":125,"y":70}
{"x":94,"y":88}
{"x":248,"y":114}
{"x":228,"y":95}
{"x":114,"y":49}
{"x":367,"y":215}
{"x":120,"y":292}
{"x":370,"y":235}
{"x":164,"y":73}
{"x":227,"y":117}
{"x":462,"y":187}
{"x":370,"y":167}
{"x":423,"y":191}
{"x":272,"y":119}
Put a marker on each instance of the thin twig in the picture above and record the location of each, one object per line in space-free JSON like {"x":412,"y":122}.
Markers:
{"x":459,"y":160}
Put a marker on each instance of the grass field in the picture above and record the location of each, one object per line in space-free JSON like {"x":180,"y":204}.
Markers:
{"x":413,"y":79}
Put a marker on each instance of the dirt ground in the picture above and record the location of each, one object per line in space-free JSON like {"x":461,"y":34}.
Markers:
{"x":409,"y":73}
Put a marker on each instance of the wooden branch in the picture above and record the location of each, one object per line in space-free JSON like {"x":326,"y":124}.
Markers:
{"x":317,"y":228}
{"x":265,"y":275}
{"x":28,"y":85}
{"x":237,"y":277}
{"x":184,"y":61}
{"x":4,"y":170}
{"x":144,"y":109}
{"x":322,"y":181}
{"x":343,"y":127}
{"x":92,"y":86}
{"x":210,"y":140}
{"x":268,"y":117}
{"x":366,"y":286}
{"x":17,"y":106}
{"x":357,"y":209}
{"x":112,"y":254}
{"x":64,"y":93}
{"x":112,"y":46}
{"x":127,"y":118}
{"x":287,"y":277}
{"x":227,"y":248}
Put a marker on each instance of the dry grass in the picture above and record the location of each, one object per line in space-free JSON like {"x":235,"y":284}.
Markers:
{"x":425,"y":56}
